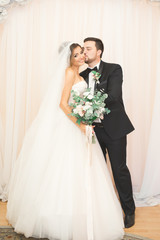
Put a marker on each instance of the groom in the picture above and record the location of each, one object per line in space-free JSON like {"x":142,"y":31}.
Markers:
{"x":112,"y":130}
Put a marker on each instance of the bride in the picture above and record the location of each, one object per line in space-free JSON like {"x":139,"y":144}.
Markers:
{"x":54,"y":192}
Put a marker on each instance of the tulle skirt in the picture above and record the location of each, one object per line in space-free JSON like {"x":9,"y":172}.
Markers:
{"x":56,"y":193}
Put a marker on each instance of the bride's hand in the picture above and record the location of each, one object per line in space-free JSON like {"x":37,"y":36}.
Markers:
{"x":83,"y":128}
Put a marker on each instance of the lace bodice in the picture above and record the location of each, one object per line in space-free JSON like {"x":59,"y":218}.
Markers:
{"x":80,"y":87}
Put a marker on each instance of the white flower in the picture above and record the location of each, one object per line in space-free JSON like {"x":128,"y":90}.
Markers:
{"x":86,"y":107}
{"x":90,"y":96}
{"x":4,"y":2}
{"x":97,"y":81}
{"x":79,"y":107}
{"x":89,"y":111}
{"x":86,"y":94}
{"x":79,"y":110}
{"x":3,"y":14}
{"x":81,"y":114}
{"x":101,"y":117}
{"x":88,"y":103}
{"x":75,"y":110}
{"x":96,"y":76}
{"x":76,"y":92}
{"x":102,"y":110}
{"x":22,"y":2}
{"x":97,"y":113}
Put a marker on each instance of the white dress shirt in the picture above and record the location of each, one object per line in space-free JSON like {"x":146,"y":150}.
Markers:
{"x":92,"y":83}
{"x":91,"y":79}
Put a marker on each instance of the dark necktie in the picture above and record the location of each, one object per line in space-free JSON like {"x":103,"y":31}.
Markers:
{"x":91,"y":69}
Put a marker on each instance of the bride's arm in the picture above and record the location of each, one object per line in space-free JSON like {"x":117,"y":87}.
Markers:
{"x":69,"y":80}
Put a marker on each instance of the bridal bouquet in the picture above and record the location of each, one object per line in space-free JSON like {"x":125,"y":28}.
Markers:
{"x":87,"y":107}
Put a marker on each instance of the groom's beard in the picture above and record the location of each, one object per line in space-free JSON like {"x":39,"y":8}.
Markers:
{"x":89,"y":60}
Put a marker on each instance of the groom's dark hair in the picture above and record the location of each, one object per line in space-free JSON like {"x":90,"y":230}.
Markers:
{"x":98,"y":43}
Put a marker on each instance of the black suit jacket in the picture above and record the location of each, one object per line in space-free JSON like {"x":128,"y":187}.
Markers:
{"x":116,"y":123}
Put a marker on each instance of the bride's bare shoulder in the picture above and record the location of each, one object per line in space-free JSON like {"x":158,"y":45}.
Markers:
{"x":69,"y":76}
{"x":70,"y":71}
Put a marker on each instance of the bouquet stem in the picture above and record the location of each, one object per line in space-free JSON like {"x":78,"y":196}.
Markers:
{"x":93,"y":138}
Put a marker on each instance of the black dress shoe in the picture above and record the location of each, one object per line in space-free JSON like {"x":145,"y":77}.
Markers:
{"x":129,"y":220}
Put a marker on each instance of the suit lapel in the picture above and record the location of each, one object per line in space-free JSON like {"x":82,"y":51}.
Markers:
{"x":96,"y":87}
{"x":85,"y":74}
{"x":101,"y":71}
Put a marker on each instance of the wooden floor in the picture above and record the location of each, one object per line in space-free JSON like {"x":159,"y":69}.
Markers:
{"x":147,"y":221}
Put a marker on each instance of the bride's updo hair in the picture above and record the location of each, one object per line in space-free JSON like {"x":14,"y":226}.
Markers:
{"x":66,"y":49}
{"x":73,"y":46}
{"x":65,"y":44}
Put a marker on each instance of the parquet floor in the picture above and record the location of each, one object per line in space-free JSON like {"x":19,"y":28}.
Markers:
{"x":147,"y":221}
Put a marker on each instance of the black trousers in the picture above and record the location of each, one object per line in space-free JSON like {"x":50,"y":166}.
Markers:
{"x":117,"y":154}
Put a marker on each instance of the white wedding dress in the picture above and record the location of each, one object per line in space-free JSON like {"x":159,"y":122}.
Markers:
{"x":56,"y":191}
{"x":59,"y":194}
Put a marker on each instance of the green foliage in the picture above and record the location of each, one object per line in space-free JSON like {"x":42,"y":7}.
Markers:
{"x":87,"y":107}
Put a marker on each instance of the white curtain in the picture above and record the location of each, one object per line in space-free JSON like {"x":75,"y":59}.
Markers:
{"x":150,"y":189}
{"x":29,"y":40}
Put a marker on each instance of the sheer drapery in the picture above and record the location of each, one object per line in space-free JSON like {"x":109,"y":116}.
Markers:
{"x":29,"y":41}
{"x":150,"y":189}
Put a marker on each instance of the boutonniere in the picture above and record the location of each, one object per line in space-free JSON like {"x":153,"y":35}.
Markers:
{"x":96,"y":76}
